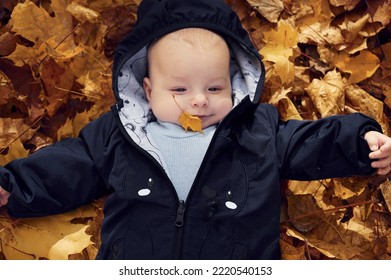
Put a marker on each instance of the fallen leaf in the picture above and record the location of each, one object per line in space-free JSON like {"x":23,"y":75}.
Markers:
{"x":16,"y":150}
{"x":270,"y":9}
{"x":350,"y":29}
{"x":285,"y":106}
{"x":7,"y":44}
{"x":189,"y":122}
{"x":72,"y":243}
{"x":56,"y":232}
{"x":347,"y":4}
{"x":328,"y":94}
{"x":380,"y":11}
{"x":386,"y":192}
{"x":303,"y":212}
{"x":361,"y":101}
{"x":36,"y":25}
{"x":278,"y":49}
{"x":82,"y":14}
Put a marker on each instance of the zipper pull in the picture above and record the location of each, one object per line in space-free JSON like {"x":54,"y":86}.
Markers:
{"x":180,"y":213}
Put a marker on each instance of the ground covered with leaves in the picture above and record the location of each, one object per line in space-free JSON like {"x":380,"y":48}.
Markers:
{"x":323,"y":57}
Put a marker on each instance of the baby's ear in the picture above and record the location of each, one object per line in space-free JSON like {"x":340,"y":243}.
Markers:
{"x":147,"y":87}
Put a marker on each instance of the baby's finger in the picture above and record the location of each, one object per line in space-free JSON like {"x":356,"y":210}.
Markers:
{"x":384,"y":171}
{"x":381,"y":163}
{"x":372,"y":141}
{"x":378,"y":154}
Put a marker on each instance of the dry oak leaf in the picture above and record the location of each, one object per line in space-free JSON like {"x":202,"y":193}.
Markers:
{"x":269,"y":9}
{"x":328,"y":94}
{"x":279,"y":48}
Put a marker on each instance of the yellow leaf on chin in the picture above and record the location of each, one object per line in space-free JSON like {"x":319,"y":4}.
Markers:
{"x":189,"y":122}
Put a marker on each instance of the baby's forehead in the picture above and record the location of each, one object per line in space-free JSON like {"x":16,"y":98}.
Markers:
{"x":195,"y":37}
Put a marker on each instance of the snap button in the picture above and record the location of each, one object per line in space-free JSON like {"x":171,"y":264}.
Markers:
{"x":151,"y":182}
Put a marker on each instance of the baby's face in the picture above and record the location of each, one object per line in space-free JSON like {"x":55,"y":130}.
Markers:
{"x":184,"y":78}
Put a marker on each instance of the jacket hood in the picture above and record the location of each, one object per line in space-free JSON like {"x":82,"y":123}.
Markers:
{"x":156,"y":18}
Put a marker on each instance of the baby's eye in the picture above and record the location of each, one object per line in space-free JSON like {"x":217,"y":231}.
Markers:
{"x":179,"y":90}
{"x":214,"y":89}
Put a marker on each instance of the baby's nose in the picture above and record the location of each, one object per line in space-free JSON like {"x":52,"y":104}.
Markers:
{"x":200,"y":100}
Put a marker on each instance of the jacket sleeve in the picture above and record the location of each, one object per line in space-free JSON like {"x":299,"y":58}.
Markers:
{"x":327,"y":148}
{"x":57,"y":178}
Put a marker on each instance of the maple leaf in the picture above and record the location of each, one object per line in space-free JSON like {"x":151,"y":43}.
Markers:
{"x":328,"y":94}
{"x":285,"y":106}
{"x":347,"y":4}
{"x":360,"y":67}
{"x":36,"y":25}
{"x":270,"y":9}
{"x":279,"y":48}
{"x":58,"y":235}
{"x":189,"y":122}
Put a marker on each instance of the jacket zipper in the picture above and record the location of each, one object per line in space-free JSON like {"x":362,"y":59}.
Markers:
{"x":179,"y":221}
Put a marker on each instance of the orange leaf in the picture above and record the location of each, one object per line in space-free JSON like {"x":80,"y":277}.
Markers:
{"x":190,"y":122}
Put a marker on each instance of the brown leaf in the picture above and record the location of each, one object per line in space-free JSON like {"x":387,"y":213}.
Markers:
{"x":328,"y":94}
{"x":386,"y":192}
{"x":270,"y":9}
{"x":82,"y":14}
{"x":36,"y":25}
{"x":380,"y":11}
{"x":303,"y":212}
{"x":58,"y":80}
{"x":7,"y":44}
{"x":347,"y":4}
{"x":285,"y":106}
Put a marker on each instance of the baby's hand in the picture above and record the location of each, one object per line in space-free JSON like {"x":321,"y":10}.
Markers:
{"x":380,"y":145}
{"x":3,"y":197}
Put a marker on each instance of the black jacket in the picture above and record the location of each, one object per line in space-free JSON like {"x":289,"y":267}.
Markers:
{"x":232,"y":211}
